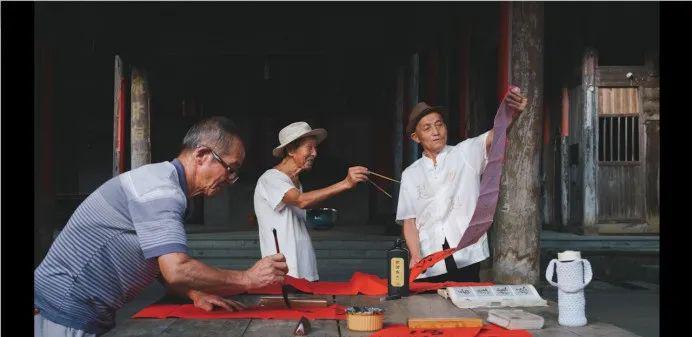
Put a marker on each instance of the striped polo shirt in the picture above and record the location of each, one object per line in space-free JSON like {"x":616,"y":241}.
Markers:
{"x":106,"y":254}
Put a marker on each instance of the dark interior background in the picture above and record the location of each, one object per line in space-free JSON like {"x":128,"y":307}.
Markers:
{"x":266,"y":65}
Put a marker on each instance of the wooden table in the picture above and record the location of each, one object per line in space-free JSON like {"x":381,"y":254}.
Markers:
{"x":423,"y":305}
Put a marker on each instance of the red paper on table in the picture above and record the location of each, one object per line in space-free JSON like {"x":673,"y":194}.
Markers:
{"x":400,"y":330}
{"x":487,"y":197}
{"x":189,"y":311}
{"x":488,"y":330}
{"x":360,"y":283}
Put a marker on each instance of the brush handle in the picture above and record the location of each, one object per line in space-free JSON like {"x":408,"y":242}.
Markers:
{"x":276,"y":241}
{"x":384,"y":177}
{"x":380,"y":188}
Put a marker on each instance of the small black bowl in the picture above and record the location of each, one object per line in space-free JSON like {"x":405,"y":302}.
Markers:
{"x":322,"y":218}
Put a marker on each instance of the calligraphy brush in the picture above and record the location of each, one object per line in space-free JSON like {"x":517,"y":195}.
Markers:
{"x":384,"y":177}
{"x":284,"y":287}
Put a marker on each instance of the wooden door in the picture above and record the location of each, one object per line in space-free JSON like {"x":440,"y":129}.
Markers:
{"x":621,"y":186}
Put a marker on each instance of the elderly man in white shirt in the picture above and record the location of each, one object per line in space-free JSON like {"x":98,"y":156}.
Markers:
{"x":280,"y":201}
{"x":439,"y":192}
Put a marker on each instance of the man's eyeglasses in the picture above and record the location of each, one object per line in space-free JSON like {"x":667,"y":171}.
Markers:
{"x":232,"y":173}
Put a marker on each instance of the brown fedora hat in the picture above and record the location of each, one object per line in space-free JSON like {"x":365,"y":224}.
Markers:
{"x":419,"y":111}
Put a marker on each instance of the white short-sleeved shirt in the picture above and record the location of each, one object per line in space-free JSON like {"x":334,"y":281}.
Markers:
{"x":289,"y":222}
{"x":442,"y":198}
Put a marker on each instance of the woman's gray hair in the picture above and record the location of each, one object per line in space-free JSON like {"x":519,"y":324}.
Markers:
{"x":216,"y":132}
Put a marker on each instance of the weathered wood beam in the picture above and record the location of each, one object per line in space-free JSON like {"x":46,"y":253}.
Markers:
{"x":651,"y":113}
{"x":617,"y":76}
{"x":516,"y":252}
{"x":589,"y":127}
{"x":119,"y":102}
{"x":564,"y":158}
{"x":547,"y":166}
{"x":140,"y":132}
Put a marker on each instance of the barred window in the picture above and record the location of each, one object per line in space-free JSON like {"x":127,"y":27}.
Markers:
{"x":618,"y":125}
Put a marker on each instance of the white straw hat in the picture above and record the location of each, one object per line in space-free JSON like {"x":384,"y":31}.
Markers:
{"x":294,"y":131}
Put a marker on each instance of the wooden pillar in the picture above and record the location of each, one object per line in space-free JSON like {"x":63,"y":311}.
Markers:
{"x":140,"y":135}
{"x":650,"y":98}
{"x":564,"y":158}
{"x":504,"y":49}
{"x":516,"y":253}
{"x":119,"y":101}
{"x":547,"y":167}
{"x":589,"y":152}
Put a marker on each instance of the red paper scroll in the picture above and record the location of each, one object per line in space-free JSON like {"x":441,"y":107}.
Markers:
{"x":492,"y":330}
{"x":360,"y":283}
{"x":400,"y":330}
{"x":489,"y":330}
{"x":189,"y":311}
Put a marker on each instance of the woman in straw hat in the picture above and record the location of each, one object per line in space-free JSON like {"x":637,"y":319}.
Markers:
{"x":280,"y":201}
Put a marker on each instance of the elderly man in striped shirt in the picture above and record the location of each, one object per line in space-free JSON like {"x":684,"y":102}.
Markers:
{"x":130,"y":231}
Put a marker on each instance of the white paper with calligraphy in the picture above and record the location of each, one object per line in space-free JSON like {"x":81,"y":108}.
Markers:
{"x":522,"y":295}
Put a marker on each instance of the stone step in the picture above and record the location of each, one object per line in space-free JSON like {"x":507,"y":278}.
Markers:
{"x":651,"y":273}
{"x":638,"y":285}
{"x":339,"y":254}
{"x":336,"y":262}
{"x":316,"y":243}
{"x":550,"y":241}
{"x":603,"y":246}
{"x":620,"y":267}
{"x":319,"y":253}
{"x":242,"y":244}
